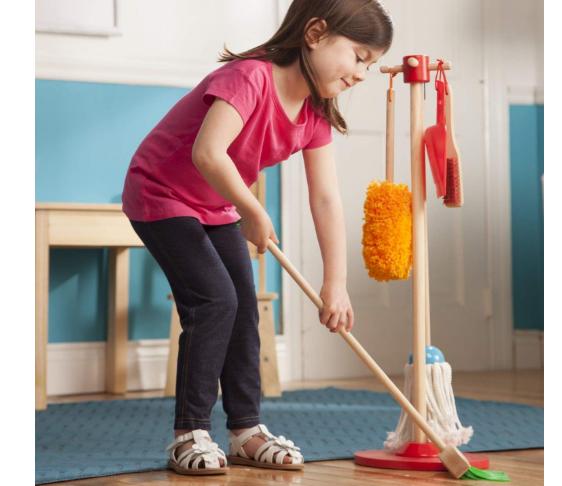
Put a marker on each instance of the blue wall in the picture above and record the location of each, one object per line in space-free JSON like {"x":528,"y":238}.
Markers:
{"x":526,"y":126}
{"x":86,"y":134}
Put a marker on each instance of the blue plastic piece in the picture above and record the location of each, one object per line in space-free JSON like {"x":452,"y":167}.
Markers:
{"x":432,"y":355}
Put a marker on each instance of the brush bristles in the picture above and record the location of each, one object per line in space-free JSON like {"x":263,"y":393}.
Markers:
{"x":454,"y":194}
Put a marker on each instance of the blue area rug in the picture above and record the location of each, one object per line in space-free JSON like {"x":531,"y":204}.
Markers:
{"x":81,"y":440}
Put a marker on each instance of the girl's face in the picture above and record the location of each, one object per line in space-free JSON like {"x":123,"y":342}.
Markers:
{"x":339,"y":63}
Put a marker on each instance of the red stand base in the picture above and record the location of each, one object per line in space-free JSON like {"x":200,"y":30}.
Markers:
{"x":414,"y":456}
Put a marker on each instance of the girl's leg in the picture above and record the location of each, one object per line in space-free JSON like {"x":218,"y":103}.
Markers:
{"x":240,"y":378}
{"x":207,"y":304}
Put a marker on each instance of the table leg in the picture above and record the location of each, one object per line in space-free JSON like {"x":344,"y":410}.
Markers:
{"x":269,"y":371}
{"x":41,"y":307}
{"x":117,"y":335}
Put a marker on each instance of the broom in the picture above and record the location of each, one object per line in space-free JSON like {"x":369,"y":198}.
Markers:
{"x":452,"y":458}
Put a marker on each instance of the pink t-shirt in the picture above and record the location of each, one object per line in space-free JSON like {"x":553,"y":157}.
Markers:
{"x":162,"y":181}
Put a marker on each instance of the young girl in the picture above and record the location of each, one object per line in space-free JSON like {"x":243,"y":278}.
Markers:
{"x":186,"y":194}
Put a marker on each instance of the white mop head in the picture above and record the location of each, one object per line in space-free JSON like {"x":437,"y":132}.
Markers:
{"x":441,"y":410}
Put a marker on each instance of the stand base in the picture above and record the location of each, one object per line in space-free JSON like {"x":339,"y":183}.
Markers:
{"x":416,"y":457}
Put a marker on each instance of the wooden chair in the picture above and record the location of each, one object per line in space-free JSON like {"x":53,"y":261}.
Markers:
{"x":268,"y":356}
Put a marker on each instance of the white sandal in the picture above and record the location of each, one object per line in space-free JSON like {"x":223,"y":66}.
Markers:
{"x":204,"y":452}
{"x":269,"y":455}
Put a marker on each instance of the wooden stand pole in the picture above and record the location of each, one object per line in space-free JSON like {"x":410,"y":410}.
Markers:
{"x":419,"y":252}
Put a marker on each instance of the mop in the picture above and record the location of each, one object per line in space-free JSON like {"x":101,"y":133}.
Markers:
{"x":455,"y":462}
{"x":440,"y":402}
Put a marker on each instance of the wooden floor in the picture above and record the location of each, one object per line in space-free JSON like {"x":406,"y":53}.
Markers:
{"x":525,"y":467}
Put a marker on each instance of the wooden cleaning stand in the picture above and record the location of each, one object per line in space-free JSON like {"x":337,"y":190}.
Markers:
{"x":420,"y":454}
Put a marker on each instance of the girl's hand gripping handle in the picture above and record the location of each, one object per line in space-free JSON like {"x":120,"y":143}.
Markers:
{"x":257,"y":227}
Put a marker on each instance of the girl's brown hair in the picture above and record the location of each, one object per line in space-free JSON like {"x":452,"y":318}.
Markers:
{"x":363,"y":21}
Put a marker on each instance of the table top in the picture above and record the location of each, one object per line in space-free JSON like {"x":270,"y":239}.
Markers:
{"x":78,"y":206}
{"x":83,"y":225}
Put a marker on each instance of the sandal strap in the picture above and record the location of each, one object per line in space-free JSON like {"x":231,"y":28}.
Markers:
{"x":197,"y":436}
{"x":279,"y":447}
{"x":237,"y":442}
{"x":266,"y":452}
{"x":240,"y":440}
{"x":202,"y":450}
{"x":209,"y":453}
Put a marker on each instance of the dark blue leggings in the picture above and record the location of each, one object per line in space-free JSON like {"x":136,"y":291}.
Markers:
{"x":210,"y":274}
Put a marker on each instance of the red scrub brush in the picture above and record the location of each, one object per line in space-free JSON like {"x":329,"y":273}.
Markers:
{"x":435,"y":139}
{"x":454,"y":193}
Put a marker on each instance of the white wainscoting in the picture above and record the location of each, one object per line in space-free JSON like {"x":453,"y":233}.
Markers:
{"x":77,"y":368}
{"x":528,"y":349}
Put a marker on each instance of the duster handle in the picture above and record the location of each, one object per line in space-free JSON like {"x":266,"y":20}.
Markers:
{"x":390,"y":133}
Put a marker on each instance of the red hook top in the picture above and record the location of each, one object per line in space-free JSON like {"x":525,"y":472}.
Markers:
{"x":441,"y":75}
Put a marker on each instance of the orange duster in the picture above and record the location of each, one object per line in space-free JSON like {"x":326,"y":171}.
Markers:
{"x":387,"y":231}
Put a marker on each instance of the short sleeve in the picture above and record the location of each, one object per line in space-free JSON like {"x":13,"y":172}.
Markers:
{"x":234,"y":87}
{"x":322,"y":134}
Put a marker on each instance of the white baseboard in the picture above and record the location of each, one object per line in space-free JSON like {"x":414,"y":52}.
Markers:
{"x":528,"y":350}
{"x":76,"y":368}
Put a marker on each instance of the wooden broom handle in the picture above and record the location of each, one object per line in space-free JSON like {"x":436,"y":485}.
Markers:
{"x":358,"y":349}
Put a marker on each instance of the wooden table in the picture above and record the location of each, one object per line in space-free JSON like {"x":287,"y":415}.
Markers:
{"x":65,"y":225}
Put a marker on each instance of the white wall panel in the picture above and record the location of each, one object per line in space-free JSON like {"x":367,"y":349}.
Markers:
{"x":165,"y":42}
{"x":491,"y":48}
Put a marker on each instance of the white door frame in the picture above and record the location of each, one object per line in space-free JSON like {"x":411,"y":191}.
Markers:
{"x":291,"y":242}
